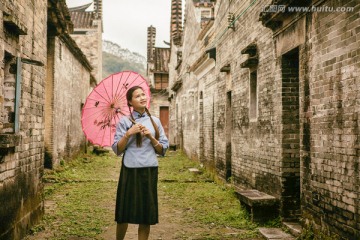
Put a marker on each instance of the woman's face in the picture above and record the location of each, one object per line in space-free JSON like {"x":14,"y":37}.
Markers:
{"x":138,"y":100}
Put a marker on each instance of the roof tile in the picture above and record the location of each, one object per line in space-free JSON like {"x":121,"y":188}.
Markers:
{"x":82,"y":19}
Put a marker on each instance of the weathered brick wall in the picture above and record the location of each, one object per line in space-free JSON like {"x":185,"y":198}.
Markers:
{"x":186,"y":98}
{"x":255,"y":143}
{"x":173,"y":109}
{"x":91,"y":45}
{"x":189,"y":114}
{"x":71,"y":86}
{"x":208,"y":119}
{"x":158,"y":99}
{"x":330,"y":172}
{"x":197,"y":139}
{"x":21,"y":166}
{"x":304,"y":141}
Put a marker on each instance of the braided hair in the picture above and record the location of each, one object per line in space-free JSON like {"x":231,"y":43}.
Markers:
{"x":129,"y":96}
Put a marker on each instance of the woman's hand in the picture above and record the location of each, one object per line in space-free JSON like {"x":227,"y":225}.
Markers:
{"x":146,"y":132}
{"x":136,"y":128}
{"x":155,"y":143}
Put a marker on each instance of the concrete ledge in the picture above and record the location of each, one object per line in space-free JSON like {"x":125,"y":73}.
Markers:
{"x":99,"y":150}
{"x":275,"y":234}
{"x":295,"y":228}
{"x":254,"y":197}
{"x":261,"y":206}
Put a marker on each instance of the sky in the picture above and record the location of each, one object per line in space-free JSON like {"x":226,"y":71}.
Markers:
{"x":126,"y":22}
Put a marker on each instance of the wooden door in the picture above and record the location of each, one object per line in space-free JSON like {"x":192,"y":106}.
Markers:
{"x":164,"y":119}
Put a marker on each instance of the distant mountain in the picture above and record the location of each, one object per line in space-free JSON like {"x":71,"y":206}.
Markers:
{"x":116,"y":59}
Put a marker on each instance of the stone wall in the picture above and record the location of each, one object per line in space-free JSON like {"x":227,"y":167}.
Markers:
{"x":68,"y":84}
{"x":22,"y":128}
{"x":186,"y":97}
{"x":91,"y":46}
{"x":330,"y":166}
{"x":255,"y":139}
{"x":173,"y":62}
{"x":158,"y":99}
{"x":278,"y":112}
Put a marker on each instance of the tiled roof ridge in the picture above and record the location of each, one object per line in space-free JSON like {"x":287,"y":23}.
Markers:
{"x":81,"y":8}
{"x":82,"y":19}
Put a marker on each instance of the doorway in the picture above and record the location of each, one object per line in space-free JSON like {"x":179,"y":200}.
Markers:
{"x":290,"y":176}
{"x":228,"y":126}
{"x":201,"y":128}
{"x":164,"y":119}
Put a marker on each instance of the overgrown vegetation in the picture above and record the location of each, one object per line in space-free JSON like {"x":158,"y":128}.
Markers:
{"x":80,"y":199}
{"x":77,"y":195}
{"x":310,"y":233}
{"x":202,"y":199}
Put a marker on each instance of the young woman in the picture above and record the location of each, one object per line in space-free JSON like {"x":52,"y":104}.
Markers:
{"x":136,"y":200}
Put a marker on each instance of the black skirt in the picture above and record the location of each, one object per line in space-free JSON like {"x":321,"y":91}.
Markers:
{"x":136,"y":199}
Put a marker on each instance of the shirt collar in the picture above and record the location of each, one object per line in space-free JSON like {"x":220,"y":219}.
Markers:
{"x":137,"y":115}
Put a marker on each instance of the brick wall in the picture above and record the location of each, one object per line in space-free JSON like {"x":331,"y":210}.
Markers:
{"x":173,"y":108}
{"x":91,"y":46}
{"x":255,"y":141}
{"x":21,"y":164}
{"x":68,"y":84}
{"x":158,"y":99}
{"x":302,"y":144}
{"x":331,"y":170}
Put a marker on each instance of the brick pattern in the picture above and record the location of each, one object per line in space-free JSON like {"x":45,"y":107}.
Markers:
{"x":255,"y":142}
{"x":49,"y":112}
{"x":64,"y":136}
{"x":21,"y":166}
{"x":331,"y":171}
{"x":304,"y":143}
{"x":290,"y":161}
{"x":158,"y":99}
{"x":91,"y":45}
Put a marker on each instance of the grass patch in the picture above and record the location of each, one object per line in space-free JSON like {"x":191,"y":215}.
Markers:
{"x":85,"y":167}
{"x":174,"y":167}
{"x":80,"y":197}
{"x":84,"y":208}
{"x":202,"y":199}
{"x":82,"y":193}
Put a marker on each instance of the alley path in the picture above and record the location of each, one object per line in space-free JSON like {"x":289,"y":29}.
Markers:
{"x":80,"y":198}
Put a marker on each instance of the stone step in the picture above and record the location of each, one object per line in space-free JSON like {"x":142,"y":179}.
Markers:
{"x":275,"y":234}
{"x":261,"y":206}
{"x":294,"y":227}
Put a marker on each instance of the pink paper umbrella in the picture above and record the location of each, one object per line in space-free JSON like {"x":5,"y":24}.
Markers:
{"x":107,"y":103}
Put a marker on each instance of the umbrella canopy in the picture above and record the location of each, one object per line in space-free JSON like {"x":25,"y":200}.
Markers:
{"x":107,"y":103}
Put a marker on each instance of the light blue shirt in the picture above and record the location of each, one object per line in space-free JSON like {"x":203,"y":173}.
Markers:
{"x":144,"y":156}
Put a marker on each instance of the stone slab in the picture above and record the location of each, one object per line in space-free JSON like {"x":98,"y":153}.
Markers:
{"x":275,"y":234}
{"x":253,"y":197}
{"x":294,"y":227}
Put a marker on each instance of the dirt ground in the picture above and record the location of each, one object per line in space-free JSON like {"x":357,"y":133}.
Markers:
{"x":171,"y":226}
